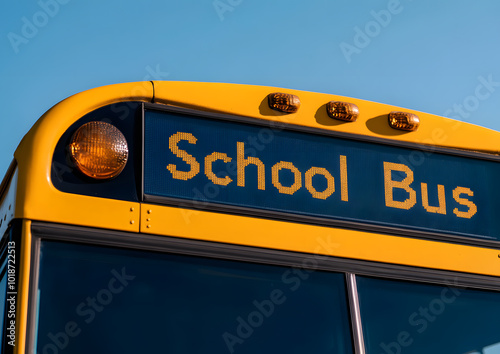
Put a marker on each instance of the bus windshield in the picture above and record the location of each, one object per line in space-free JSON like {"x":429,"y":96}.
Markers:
{"x":408,"y":317}
{"x":102,"y":299}
{"x":98,"y":299}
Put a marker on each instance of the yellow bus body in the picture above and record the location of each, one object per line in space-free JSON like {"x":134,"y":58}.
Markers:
{"x":36,"y":199}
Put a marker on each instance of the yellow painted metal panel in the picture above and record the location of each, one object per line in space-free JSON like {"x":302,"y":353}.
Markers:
{"x":37,"y":199}
{"x":55,"y":206}
{"x":218,"y":227}
{"x":8,"y":201}
{"x":251,"y":101}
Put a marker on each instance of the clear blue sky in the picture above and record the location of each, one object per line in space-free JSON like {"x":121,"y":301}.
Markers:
{"x":441,"y":57}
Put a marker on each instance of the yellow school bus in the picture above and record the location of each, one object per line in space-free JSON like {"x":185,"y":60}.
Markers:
{"x":184,"y":217}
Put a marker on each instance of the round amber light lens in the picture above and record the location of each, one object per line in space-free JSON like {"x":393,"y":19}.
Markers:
{"x":99,"y":150}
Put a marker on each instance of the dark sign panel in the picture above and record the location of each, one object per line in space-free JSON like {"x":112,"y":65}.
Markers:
{"x":206,"y":162}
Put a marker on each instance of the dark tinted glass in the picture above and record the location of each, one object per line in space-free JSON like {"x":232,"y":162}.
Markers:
{"x":403,"y":317}
{"x":103,"y":300}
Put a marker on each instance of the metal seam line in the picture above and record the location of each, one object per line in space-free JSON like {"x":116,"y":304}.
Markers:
{"x":357,"y":330}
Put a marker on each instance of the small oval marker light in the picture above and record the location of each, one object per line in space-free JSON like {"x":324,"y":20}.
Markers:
{"x":404,"y":121}
{"x":99,"y":150}
{"x":345,"y":111}
{"x":284,"y":102}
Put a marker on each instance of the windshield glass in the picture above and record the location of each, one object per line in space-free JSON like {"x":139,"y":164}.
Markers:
{"x":98,"y":299}
{"x":404,"y":317}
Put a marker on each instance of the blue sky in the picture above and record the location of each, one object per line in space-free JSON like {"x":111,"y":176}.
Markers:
{"x":440,"y":57}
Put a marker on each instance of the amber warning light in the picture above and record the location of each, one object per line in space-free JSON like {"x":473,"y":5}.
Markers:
{"x":99,"y":150}
{"x":284,"y":102}
{"x":345,"y":111}
{"x":404,"y":121}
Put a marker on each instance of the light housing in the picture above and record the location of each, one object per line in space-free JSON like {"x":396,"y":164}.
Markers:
{"x":404,"y":121}
{"x":284,"y":102}
{"x":99,"y":150}
{"x":345,"y":111}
